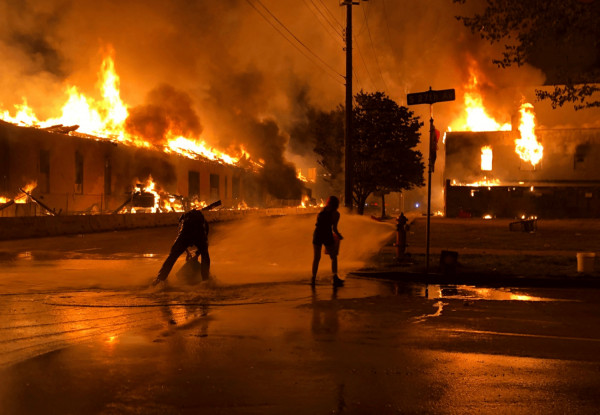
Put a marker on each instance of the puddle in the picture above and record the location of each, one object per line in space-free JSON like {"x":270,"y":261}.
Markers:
{"x":467,"y":292}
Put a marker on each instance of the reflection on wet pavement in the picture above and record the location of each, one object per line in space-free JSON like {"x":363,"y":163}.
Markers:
{"x":467,"y":292}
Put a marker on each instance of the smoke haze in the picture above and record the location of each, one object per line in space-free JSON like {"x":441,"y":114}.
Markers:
{"x":246,"y":251}
{"x":219,"y":70}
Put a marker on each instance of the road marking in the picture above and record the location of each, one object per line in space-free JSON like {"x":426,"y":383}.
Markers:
{"x":541,"y":336}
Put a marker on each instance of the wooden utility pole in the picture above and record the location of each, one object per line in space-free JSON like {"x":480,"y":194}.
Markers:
{"x":348,"y":160}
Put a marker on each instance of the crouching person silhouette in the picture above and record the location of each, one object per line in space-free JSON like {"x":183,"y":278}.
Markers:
{"x":193,"y":231}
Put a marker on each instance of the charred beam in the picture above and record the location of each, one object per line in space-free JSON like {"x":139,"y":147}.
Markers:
{"x":7,"y":204}
{"x":61,"y":129}
{"x":125,"y":203}
{"x":39,"y":202}
{"x":212,"y":205}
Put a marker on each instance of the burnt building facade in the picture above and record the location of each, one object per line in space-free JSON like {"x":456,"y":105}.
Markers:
{"x":484,"y":175}
{"x":76,"y":174}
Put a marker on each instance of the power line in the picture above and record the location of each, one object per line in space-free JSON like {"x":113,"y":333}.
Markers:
{"x":363,"y":60}
{"x":338,"y":36}
{"x":387,"y":25}
{"x":298,"y":40}
{"x":331,"y":14}
{"x":374,"y":52}
{"x":336,"y":30}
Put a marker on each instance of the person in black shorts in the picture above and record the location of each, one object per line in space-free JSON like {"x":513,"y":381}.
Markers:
{"x":327,"y":234}
{"x":193,"y":231}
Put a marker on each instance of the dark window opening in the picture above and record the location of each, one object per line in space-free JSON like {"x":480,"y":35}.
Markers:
{"x":214,"y":187}
{"x":44,"y":182}
{"x":193,"y":183}
{"x":78,"y":173}
{"x":107,"y":176}
{"x":4,"y":166}
{"x":235,"y":188}
{"x":579,"y":158}
{"x":579,"y":162}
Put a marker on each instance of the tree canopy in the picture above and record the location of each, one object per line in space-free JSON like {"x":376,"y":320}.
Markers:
{"x":560,"y":37}
{"x":385,"y":136}
{"x":328,"y":131}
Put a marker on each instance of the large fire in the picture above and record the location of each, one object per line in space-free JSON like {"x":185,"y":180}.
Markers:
{"x":106,"y":118}
{"x":162,"y":201}
{"x":476,"y":117}
{"x":527,"y":147}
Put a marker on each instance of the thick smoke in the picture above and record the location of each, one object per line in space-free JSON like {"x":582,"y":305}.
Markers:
{"x":166,"y":110}
{"x":248,"y":84}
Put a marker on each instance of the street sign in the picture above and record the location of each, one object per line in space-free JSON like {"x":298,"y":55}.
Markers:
{"x":430,"y":97}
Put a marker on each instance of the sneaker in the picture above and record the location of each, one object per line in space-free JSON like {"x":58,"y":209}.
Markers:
{"x":337,"y":281}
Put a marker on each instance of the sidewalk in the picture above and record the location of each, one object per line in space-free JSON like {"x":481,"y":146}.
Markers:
{"x":488,"y":253}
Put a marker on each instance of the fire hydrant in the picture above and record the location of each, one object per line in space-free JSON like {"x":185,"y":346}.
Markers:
{"x":401,"y":236}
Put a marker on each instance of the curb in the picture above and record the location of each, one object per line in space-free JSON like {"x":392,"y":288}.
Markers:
{"x":483,"y":280}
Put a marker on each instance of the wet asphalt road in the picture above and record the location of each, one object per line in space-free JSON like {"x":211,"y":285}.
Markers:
{"x":81,"y":332}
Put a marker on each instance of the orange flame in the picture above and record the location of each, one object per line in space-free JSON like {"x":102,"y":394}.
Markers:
{"x":22,"y":197}
{"x":481,"y":183}
{"x":476,"y":117}
{"x":527,"y":147}
{"x":486,"y":158}
{"x":300,"y":176}
{"x":106,"y":118}
{"x":163,"y":201}
{"x":305,"y":202}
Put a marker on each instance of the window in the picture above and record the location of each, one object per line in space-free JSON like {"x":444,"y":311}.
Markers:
{"x":214,"y":187}
{"x":107,"y":176}
{"x":4,"y":165}
{"x":44,"y":182}
{"x":235,"y":188}
{"x":579,"y":157}
{"x":193,"y":183}
{"x":486,"y":158}
{"x":78,"y":173}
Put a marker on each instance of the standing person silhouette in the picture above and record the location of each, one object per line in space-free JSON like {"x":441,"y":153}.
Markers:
{"x":193,"y":231}
{"x":326,"y":233}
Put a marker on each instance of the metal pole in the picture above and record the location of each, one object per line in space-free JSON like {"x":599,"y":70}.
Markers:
{"x":431,"y":131}
{"x":348,"y":183}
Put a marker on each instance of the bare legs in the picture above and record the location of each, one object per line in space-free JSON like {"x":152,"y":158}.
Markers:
{"x":317,"y":259}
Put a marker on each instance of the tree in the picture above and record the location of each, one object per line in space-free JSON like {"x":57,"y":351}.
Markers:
{"x":327,"y":128}
{"x":560,"y":37}
{"x":385,"y":135}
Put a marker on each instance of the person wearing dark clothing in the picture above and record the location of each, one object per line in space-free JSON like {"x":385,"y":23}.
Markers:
{"x":327,"y":234}
{"x":193,"y":231}
{"x":401,"y":236}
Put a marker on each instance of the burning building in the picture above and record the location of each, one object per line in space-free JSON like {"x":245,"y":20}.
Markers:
{"x":71,"y":174}
{"x":515,"y":169}
{"x":551,"y":174}
{"x":101,"y":156}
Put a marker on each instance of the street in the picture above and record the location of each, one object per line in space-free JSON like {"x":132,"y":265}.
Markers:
{"x":83,"y":332}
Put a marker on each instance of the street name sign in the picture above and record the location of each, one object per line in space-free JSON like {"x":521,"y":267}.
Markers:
{"x":430,"y":97}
